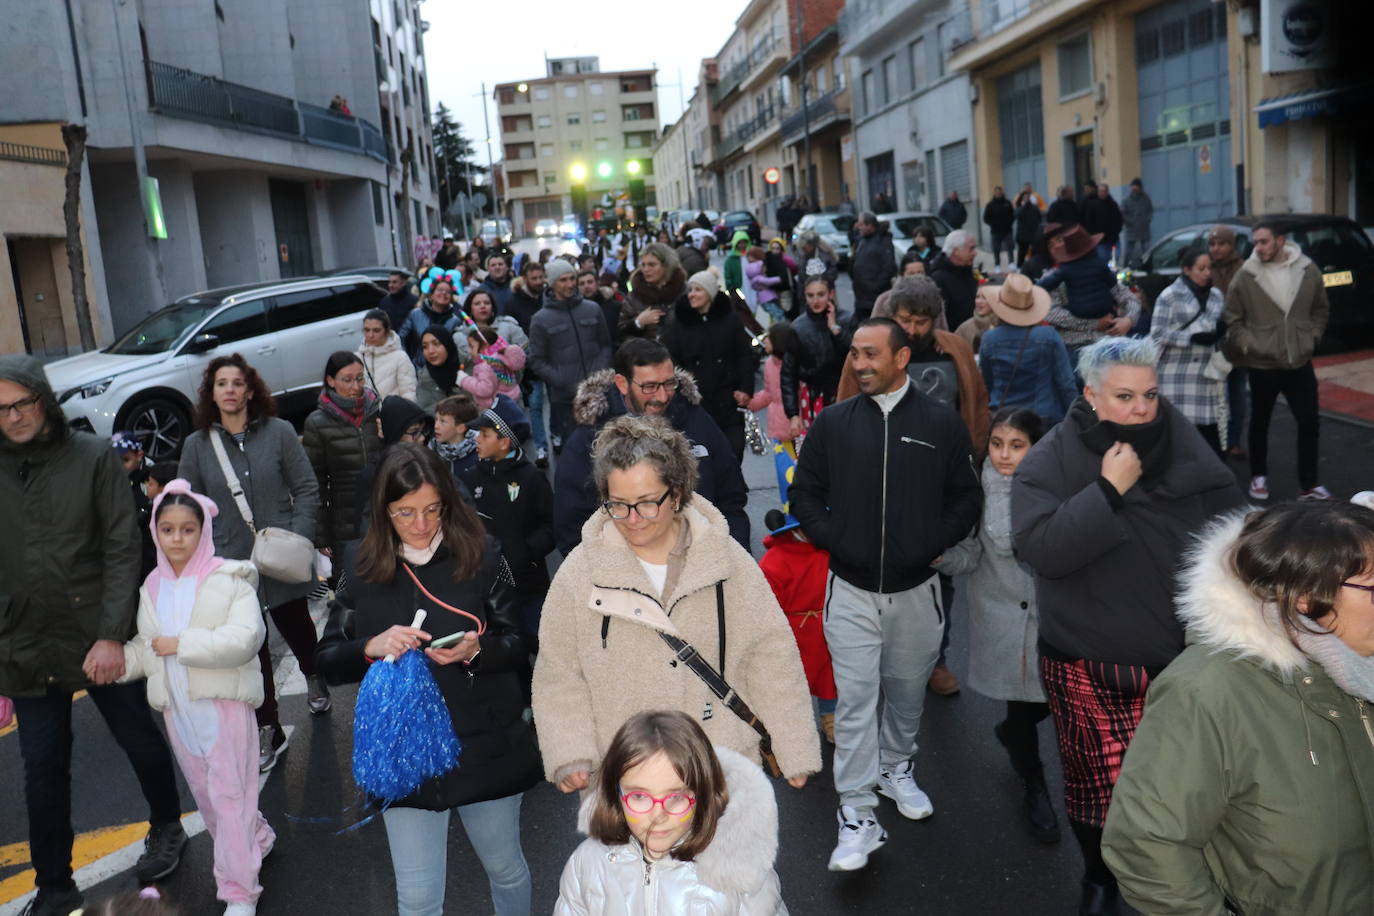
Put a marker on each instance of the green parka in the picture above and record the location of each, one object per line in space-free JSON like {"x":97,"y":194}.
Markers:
{"x":69,"y":548}
{"x":1250,"y":780}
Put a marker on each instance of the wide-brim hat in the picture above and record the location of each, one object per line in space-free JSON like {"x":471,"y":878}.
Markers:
{"x":1077,"y":243}
{"x":1018,"y":301}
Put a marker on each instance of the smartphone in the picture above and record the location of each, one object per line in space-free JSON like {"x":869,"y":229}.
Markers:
{"x":446,"y":642}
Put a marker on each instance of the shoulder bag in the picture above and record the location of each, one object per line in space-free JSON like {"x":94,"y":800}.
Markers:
{"x":715,"y":680}
{"x":277,"y":553}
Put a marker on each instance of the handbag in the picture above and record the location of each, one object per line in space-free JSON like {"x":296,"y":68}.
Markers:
{"x":1218,"y":367}
{"x":689,"y":656}
{"x":277,"y":553}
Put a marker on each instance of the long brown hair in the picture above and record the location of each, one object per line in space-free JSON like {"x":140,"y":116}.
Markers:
{"x":261,"y":404}
{"x":679,"y":737}
{"x":405,"y":468}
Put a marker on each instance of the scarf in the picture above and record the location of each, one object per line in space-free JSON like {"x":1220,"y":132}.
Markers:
{"x":1199,"y":292}
{"x":1351,"y":671}
{"x":445,"y":374}
{"x":419,"y":556}
{"x":1150,"y":440}
{"x":454,"y":451}
{"x":350,"y":410}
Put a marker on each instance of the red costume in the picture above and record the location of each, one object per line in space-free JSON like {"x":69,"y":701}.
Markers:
{"x":796,"y":571}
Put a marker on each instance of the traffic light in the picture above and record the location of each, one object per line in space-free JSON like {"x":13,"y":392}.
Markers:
{"x":578,"y":172}
{"x":632,"y":167}
{"x":578,"y":195}
{"x":603,"y":168}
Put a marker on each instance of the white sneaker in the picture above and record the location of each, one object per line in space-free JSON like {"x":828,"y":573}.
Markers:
{"x":241,"y":909}
{"x":1316,"y":493}
{"x":858,"y":837}
{"x":1259,"y":487}
{"x":900,"y":786}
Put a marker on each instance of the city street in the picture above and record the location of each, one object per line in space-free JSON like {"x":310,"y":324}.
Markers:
{"x":973,"y":856}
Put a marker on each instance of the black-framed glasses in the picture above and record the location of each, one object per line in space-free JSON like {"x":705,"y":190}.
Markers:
{"x":667,"y":387}
{"x":1367,"y":589}
{"x":675,"y":804}
{"x":21,"y":406}
{"x":648,"y":509}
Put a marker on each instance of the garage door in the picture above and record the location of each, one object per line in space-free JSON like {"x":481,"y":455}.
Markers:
{"x":1021,"y":123}
{"x":954,"y":170}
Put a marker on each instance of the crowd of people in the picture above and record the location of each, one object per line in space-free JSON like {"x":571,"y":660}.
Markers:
{"x":1026,"y":445}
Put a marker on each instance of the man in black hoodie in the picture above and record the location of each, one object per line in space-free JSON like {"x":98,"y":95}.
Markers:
{"x":999,"y":215}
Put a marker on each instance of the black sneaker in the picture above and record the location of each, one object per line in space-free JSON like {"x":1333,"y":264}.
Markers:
{"x":54,"y":903}
{"x":161,"y":852}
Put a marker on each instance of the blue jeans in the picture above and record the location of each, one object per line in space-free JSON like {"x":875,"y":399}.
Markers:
{"x":45,"y":743}
{"x":1238,"y":402}
{"x":537,"y":393}
{"x":419,"y":855}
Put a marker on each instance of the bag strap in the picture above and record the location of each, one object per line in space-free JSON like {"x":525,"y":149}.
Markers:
{"x":230,"y":478}
{"x":686,"y":653}
{"x":720,"y":624}
{"x":481,"y":625}
{"x":1006,"y":389}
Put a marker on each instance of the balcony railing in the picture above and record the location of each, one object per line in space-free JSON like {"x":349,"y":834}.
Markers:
{"x":184,"y":93}
{"x":820,"y":111}
{"x":40,"y":155}
{"x":731,"y":79}
{"x":735,"y":140}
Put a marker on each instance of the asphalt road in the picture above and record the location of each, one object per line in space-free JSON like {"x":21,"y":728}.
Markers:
{"x":972,"y":857}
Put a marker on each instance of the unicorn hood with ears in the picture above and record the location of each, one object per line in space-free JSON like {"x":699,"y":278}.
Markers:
{"x":203,"y":561}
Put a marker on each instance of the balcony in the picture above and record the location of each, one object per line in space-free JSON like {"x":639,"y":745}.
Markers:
{"x":39,"y":155}
{"x":182,"y":93}
{"x":767,"y":51}
{"x":735,"y":141}
{"x":821,"y":112}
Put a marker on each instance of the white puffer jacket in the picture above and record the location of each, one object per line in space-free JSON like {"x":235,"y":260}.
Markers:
{"x":389,"y":370}
{"x":220,"y":646}
{"x":733,"y":876}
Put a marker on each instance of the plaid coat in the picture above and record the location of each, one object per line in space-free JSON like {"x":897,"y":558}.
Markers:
{"x":1177,"y":317}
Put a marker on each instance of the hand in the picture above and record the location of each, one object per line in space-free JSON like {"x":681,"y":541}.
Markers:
{"x":1105,"y":322}
{"x":741,"y":399}
{"x":1121,"y":467}
{"x":794,"y":426}
{"x":574,"y":782}
{"x":1120,"y":327}
{"x":165,"y":645}
{"x":796,"y":782}
{"x":830,"y":317}
{"x":1205,"y":338}
{"x":104,"y":664}
{"x":462,"y":651}
{"x":394,"y":640}
{"x":649,"y":318}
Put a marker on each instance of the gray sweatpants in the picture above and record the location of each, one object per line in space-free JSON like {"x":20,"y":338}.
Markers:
{"x":882,"y":647}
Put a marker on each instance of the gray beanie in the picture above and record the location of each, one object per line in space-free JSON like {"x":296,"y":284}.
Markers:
{"x":706,"y":280}
{"x":557,"y":268}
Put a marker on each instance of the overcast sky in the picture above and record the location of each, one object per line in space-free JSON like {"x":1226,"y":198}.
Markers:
{"x":465,"y":46}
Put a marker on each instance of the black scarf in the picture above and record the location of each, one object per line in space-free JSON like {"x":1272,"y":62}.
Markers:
{"x":1150,"y":440}
{"x":1199,"y":292}
{"x":445,"y":374}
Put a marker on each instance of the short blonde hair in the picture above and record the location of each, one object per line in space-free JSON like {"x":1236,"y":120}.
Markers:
{"x":629,"y":440}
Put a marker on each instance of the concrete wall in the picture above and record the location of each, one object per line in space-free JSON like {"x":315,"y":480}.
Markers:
{"x":333,"y":55}
{"x":357,"y":237}
{"x":183,"y":262}
{"x":237,"y":235}
{"x":183,"y":34}
{"x":47,"y":77}
{"x":255,"y":45}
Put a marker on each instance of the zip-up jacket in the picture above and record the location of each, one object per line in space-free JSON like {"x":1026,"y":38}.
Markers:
{"x":569,"y":341}
{"x":1262,"y":333}
{"x":886,"y":494}
{"x":515,"y":502}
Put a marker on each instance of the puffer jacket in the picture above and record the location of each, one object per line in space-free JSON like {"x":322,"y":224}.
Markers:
{"x":219,"y":648}
{"x":601,"y":659}
{"x":69,"y":548}
{"x":1261,"y":333}
{"x":715,"y":348}
{"x":816,"y":358}
{"x":1250,"y":779}
{"x":569,"y":341}
{"x":733,"y":876}
{"x":642,"y":295}
{"x":338,"y":451}
{"x":389,"y":370}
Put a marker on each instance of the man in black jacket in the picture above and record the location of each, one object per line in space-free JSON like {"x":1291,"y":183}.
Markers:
{"x":999,"y":215}
{"x":885,"y":484}
{"x":69,"y":551}
{"x":952,"y":271}
{"x":872,"y":265}
{"x":644,"y":381}
{"x":1063,"y":210}
{"x":399,"y":301}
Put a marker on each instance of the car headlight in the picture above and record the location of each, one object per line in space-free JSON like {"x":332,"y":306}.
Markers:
{"x":91,"y":390}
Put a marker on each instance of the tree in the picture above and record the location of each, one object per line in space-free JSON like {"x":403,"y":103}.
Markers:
{"x":455,"y":159}
{"x":74,"y":136}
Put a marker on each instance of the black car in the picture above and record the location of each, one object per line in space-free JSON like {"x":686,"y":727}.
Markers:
{"x":1338,"y":246}
{"x":732,"y":222}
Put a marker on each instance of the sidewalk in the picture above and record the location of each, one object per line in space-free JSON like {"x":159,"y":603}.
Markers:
{"x":1345,"y":384}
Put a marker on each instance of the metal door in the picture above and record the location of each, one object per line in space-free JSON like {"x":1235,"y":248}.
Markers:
{"x":1021,"y":128}
{"x":292,"y":225}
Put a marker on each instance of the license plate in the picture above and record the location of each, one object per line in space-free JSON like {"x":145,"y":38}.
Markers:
{"x":1339,"y":278}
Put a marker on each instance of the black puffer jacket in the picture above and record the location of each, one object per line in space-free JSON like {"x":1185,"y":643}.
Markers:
{"x":500,"y":756}
{"x":642,"y":295}
{"x":338,"y":451}
{"x":871,"y":269}
{"x":816,"y":358}
{"x":716,"y":350}
{"x":958,"y":287}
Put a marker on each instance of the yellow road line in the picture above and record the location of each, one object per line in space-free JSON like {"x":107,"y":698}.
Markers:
{"x":88,"y":847}
{"x":14,"y":723}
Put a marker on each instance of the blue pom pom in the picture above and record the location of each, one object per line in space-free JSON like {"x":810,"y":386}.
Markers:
{"x":402,"y":734}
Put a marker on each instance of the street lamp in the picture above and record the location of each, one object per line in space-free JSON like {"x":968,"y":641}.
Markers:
{"x":523,"y":87}
{"x":578,"y":172}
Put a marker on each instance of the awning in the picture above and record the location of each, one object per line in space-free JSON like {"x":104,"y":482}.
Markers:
{"x":1309,"y":103}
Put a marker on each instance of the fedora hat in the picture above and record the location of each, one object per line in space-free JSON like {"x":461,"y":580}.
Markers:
{"x":1078,"y":243}
{"x":1018,"y":301}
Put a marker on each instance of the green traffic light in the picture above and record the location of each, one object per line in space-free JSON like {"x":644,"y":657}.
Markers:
{"x":604,"y":169}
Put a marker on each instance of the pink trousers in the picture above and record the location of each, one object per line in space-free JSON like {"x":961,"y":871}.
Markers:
{"x":224,"y":784}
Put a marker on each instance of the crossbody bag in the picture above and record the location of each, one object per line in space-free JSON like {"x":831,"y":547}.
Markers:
{"x":278,"y":553}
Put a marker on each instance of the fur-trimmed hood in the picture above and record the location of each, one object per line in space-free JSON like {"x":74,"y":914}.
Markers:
{"x":1219,"y":612}
{"x":598,"y":399}
{"x":645,"y":294}
{"x":746,"y":842}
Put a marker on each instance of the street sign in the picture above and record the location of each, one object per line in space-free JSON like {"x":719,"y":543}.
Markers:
{"x":772,"y":175}
{"x":1204,"y":159}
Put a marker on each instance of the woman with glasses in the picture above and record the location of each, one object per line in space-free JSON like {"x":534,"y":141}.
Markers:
{"x":425,"y":548}
{"x":340,"y":438}
{"x":658,"y":558}
{"x":1249,"y":787}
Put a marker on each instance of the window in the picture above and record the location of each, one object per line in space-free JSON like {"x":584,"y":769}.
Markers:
{"x":570,"y":91}
{"x":1075,"y":66}
{"x":839,"y":75}
{"x":634,"y":141}
{"x":294,"y":310}
{"x":506,"y":96}
{"x":820,"y":81}
{"x":545,"y":121}
{"x":912,"y":190}
{"x":238,"y":322}
{"x":601,"y":143}
{"x":888,"y":85}
{"x":629,"y":113}
{"x":1168,"y":253}
{"x":541,"y":93}
{"x":574,"y":119}
{"x":1020,"y":114}
{"x":575,"y":145}
{"x":596,"y":88}
{"x":546,"y":149}
{"x":867,"y":100}
{"x":550,"y":178}
{"x":598,"y":116}
{"x":359,"y":297}
{"x":378,"y":209}
{"x":916,"y":52}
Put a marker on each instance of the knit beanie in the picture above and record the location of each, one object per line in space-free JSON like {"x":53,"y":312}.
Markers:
{"x":706,"y":280}
{"x":557,"y":268}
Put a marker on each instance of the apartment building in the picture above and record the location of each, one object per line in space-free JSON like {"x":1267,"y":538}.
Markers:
{"x":816,"y":127}
{"x":575,"y":125}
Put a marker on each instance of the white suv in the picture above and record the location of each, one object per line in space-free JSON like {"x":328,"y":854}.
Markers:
{"x":148,"y":380}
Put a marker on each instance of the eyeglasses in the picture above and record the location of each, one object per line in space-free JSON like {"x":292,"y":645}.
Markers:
{"x":648,"y":509}
{"x":651,"y":387}
{"x":348,"y":381}
{"x":1367,"y":589}
{"x":409,"y":515}
{"x":20,"y":407}
{"x":674,"y":804}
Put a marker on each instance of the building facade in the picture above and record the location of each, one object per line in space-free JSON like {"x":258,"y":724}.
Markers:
{"x":260,"y":174}
{"x":816,"y":127}
{"x":575,"y":124}
{"x":913,"y":139}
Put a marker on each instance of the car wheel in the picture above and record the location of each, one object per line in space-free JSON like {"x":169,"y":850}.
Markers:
{"x":161,"y":425}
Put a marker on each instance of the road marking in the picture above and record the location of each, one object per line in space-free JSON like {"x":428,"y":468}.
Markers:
{"x":14,"y":722}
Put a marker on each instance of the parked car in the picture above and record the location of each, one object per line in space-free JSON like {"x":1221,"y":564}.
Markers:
{"x":497,"y":231}
{"x":147,"y":380}
{"x":546,"y":228}
{"x":833,"y":228}
{"x":379,"y":274}
{"x":1338,"y":246}
{"x":903,"y":226}
{"x":734,"y":221}
{"x":567,"y":227}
